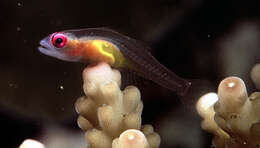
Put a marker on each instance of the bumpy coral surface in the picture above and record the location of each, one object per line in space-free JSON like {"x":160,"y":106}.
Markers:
{"x":107,"y":114}
{"x":234,"y":118}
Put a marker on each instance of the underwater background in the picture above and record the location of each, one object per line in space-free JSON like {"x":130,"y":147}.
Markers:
{"x":201,"y":40}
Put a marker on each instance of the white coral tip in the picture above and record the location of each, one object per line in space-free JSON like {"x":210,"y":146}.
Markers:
{"x":132,"y":138}
{"x":30,"y":143}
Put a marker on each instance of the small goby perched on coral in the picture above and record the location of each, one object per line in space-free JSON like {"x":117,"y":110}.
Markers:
{"x":234,"y":118}
{"x":111,"y":117}
{"x":94,"y":45}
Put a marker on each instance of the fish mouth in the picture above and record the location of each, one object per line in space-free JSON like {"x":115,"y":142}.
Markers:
{"x":44,"y":44}
{"x":45,"y":47}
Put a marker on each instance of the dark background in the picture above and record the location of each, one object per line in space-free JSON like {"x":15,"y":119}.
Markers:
{"x":202,"y":40}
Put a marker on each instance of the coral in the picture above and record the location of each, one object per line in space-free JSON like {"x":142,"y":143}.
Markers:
{"x":30,"y":143}
{"x":255,"y":75}
{"x":106,"y":112}
{"x":234,"y":118}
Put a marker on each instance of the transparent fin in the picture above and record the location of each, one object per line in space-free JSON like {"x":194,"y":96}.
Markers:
{"x":159,"y":74}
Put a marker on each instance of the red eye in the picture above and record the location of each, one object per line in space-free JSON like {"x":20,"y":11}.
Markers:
{"x":58,"y":40}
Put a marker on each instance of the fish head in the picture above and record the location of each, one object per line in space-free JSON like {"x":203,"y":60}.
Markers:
{"x":59,"y":45}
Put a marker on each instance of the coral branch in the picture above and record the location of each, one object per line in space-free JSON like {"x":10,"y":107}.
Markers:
{"x":106,"y":112}
{"x":234,"y":120}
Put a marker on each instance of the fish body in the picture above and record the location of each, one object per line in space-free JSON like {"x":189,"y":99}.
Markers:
{"x":93,"y":45}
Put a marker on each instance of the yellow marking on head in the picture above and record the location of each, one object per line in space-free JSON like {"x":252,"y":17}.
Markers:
{"x":109,"y":53}
{"x":105,"y":48}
